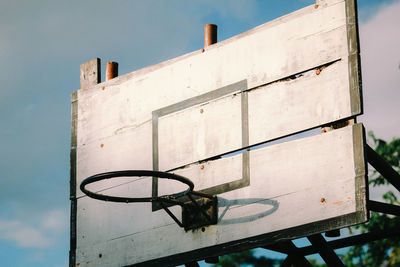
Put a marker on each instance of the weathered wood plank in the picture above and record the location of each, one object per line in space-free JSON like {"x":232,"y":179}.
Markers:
{"x":126,"y":150}
{"x":353,"y":45}
{"x":90,"y":73}
{"x":200,"y":132}
{"x":310,"y":100}
{"x":267,"y":195}
{"x":274,"y":110}
{"x":225,"y":170}
{"x":266,"y":54}
{"x":216,"y":126}
{"x":310,"y":180}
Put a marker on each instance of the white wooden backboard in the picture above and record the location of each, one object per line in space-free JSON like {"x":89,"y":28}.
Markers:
{"x":203,"y":115}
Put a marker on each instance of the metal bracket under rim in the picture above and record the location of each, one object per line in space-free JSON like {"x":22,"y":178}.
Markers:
{"x":196,"y":213}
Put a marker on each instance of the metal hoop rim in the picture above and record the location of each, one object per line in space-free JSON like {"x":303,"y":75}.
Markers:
{"x":136,"y":173}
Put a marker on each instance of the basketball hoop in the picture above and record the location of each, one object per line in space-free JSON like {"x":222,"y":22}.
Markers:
{"x":206,"y":204}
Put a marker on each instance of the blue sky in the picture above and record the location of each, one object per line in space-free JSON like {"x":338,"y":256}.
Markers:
{"x":42,"y":45}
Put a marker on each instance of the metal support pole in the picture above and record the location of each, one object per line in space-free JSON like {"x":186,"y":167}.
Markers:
{"x":111,"y":70}
{"x":383,"y":207}
{"x":383,"y":167}
{"x":294,"y":257}
{"x":360,"y":239}
{"x":326,"y":252}
{"x":210,"y":34}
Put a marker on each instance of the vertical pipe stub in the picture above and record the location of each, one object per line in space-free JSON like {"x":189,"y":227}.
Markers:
{"x":210,"y":34}
{"x":111,"y":70}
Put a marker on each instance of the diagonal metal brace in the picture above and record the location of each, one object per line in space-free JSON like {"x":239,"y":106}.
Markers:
{"x":383,"y":167}
{"x":326,"y":252}
{"x":383,"y":207}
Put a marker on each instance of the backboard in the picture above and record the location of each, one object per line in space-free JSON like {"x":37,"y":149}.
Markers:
{"x":203,"y":116}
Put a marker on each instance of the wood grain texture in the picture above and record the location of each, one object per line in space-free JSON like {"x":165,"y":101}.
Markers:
{"x":263,"y":55}
{"x":200,"y":132}
{"x":129,"y":150}
{"x":293,"y":184}
{"x":215,"y":127}
{"x":299,"y":72}
{"x":353,"y":45}
{"x":306,"y":101}
{"x":90,"y":73}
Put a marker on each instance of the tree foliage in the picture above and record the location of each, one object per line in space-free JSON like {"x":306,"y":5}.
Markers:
{"x":385,"y":252}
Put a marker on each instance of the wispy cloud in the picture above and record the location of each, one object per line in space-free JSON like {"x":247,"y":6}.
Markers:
{"x":23,"y":235}
{"x":27,"y":234}
{"x":55,"y":221}
{"x":380,"y":55}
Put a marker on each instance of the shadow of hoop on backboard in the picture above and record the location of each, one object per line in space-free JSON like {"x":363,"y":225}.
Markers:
{"x":228,"y":204}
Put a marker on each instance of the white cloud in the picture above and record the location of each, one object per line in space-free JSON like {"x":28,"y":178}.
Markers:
{"x":380,"y":58}
{"x":23,"y":235}
{"x":55,"y":221}
{"x":29,"y":234}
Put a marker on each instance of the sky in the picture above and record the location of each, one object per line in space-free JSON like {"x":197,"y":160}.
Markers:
{"x":42,"y":45}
